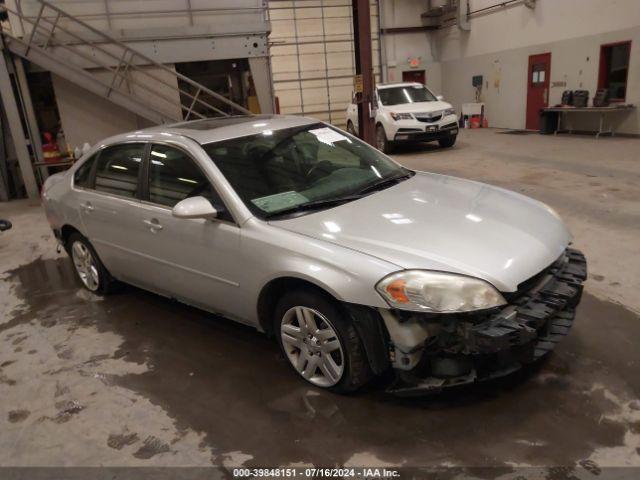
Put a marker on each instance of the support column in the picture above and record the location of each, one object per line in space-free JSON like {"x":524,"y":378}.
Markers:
{"x":261,"y":73}
{"x":30,"y":115}
{"x":364,"y":67}
{"x":15,"y":126}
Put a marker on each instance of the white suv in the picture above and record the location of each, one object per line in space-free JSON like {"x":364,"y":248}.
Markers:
{"x":408,"y":112}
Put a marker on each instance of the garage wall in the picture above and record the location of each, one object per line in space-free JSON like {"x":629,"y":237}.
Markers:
{"x":312,"y":56}
{"x":398,"y":48}
{"x":572,"y":30}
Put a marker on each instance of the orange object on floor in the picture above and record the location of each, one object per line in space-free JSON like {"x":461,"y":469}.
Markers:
{"x":485,"y":123}
{"x":475,"y":122}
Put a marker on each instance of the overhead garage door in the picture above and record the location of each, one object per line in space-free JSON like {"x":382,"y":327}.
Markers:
{"x":312,"y":56}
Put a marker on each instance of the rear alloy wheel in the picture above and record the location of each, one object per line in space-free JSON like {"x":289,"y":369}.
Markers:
{"x":320,"y":342}
{"x":381,"y":140}
{"x":88,"y":267}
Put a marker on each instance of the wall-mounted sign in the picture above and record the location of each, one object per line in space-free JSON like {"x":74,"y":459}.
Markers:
{"x":357,"y":83}
{"x":414,"y":62}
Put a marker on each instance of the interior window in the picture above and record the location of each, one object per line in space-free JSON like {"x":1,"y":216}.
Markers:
{"x":174,"y":176}
{"x":117,"y":169}
{"x":82,"y":176}
{"x":614,"y":68}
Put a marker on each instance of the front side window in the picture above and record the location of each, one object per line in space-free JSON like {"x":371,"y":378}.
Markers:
{"x":407,"y":94}
{"x":174,"y":176}
{"x":275,"y":172}
{"x":82,"y":176}
{"x":117,"y":169}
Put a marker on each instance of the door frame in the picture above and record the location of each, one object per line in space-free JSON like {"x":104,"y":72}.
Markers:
{"x":532,"y":60}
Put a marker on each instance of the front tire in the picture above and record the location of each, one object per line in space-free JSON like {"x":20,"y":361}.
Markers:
{"x":382,"y":143}
{"x":87,"y":265}
{"x":448,"y":142}
{"x":351,"y":129}
{"x":319,"y":341}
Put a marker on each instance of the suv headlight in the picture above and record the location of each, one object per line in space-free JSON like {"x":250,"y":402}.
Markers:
{"x":449,"y":111}
{"x":438,"y":292}
{"x":401,"y":116}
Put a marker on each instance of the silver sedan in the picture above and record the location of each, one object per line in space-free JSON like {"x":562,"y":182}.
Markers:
{"x":358,"y":266}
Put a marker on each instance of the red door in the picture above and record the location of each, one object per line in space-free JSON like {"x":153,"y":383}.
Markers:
{"x":537,"y":88}
{"x":414,"y":76}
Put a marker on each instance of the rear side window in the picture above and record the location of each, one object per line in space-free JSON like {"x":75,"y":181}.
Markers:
{"x":174,"y":176}
{"x":82,"y":176}
{"x":117,"y":169}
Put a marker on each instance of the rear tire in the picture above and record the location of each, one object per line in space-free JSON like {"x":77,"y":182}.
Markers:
{"x":382,"y":143}
{"x":319,"y":341}
{"x":88,"y":266}
{"x":448,"y":142}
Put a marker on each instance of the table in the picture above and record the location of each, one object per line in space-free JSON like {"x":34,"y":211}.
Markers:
{"x":602,"y":111}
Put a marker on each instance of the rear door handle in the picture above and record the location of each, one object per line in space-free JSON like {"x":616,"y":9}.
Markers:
{"x":87,"y":207}
{"x":153,"y":225}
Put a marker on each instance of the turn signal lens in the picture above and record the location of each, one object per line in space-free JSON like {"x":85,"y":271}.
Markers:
{"x":396,"y":290}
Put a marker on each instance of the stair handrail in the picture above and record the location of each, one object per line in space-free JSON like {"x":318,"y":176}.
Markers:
{"x":128,"y":65}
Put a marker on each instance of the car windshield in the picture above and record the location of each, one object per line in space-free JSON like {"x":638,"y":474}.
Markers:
{"x":406,"y":94}
{"x":295,"y":169}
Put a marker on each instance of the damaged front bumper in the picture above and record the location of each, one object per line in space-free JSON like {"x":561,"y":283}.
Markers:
{"x":432,"y":352}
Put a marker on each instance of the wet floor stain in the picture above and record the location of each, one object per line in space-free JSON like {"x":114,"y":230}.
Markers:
{"x":151,"y":447}
{"x":118,"y":441}
{"x":230,"y":384}
{"x":16,"y":416}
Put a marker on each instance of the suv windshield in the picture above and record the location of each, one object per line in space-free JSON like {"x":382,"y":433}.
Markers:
{"x":301,"y":169}
{"x":407,"y":94}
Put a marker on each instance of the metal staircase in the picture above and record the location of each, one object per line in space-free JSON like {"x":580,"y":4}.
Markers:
{"x":109,"y":68}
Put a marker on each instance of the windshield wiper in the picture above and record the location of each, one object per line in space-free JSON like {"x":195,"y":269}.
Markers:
{"x":385,"y":183}
{"x":315,"y":205}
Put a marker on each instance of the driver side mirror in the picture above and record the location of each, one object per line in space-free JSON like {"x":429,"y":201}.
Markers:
{"x":194,"y":207}
{"x":440,"y":97}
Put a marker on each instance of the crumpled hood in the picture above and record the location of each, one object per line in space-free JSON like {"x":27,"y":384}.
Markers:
{"x":418,"y":107}
{"x":437,"y":222}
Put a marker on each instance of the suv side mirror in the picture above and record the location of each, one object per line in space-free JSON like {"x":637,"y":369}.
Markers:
{"x":440,"y":97}
{"x":194,"y":207}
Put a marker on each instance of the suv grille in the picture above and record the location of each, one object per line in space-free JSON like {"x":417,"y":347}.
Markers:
{"x":428,"y":117}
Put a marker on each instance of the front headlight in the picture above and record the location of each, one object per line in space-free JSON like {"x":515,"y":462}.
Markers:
{"x":449,"y":111}
{"x":401,"y":116}
{"x":438,"y":292}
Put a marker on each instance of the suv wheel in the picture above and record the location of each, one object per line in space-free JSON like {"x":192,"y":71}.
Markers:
{"x":319,"y":342}
{"x":382,"y":143}
{"x":351,"y":129}
{"x":87,"y":265}
{"x":448,"y":142}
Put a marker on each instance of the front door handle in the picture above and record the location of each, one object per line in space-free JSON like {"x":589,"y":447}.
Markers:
{"x":153,"y":225}
{"x":87,"y":207}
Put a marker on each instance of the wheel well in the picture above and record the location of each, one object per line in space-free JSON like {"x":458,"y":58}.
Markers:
{"x":273,"y":291}
{"x":65,"y":233}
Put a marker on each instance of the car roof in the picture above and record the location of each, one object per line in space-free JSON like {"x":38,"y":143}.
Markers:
{"x":215,"y":129}
{"x":399,"y":84}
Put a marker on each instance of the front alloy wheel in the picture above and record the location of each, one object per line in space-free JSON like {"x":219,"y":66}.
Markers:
{"x":381,"y":140}
{"x":85,"y":265}
{"x":320,"y":341}
{"x":312,"y":346}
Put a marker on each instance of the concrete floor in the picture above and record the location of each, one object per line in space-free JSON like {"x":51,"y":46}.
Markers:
{"x":135,"y":379}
